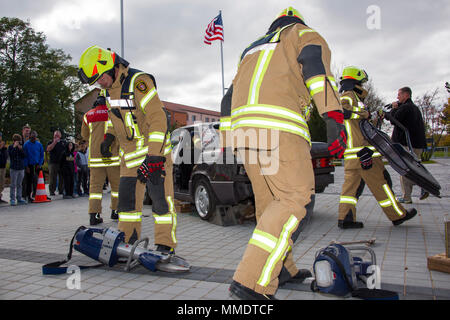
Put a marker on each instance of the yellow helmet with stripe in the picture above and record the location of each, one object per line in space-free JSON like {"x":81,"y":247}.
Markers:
{"x":290,"y":12}
{"x":94,"y":62}
{"x":352,"y":72}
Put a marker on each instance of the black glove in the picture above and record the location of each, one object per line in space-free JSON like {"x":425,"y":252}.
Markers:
{"x":336,"y":135}
{"x":365,"y":157}
{"x":152,"y":169}
{"x":106,"y":145}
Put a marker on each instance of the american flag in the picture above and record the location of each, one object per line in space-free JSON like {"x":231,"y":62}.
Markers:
{"x":214,"y":31}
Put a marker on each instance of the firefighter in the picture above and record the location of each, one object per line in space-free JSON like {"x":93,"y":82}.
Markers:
{"x":278,"y":77}
{"x":363,"y":161}
{"x":140,"y":126}
{"x":93,"y":129}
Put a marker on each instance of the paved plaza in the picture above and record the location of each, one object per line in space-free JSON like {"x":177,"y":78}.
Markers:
{"x":36,"y":234}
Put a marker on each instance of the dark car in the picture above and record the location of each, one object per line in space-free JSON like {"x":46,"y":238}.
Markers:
{"x":214,"y":180}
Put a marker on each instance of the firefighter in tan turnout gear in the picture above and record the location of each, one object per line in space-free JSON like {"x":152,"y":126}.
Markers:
{"x":140,"y":124}
{"x":93,"y":129}
{"x":277,"y":78}
{"x":363,"y":161}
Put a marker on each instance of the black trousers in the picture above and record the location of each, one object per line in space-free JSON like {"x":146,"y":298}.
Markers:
{"x":82,"y":180}
{"x":31,"y":181}
{"x":68,"y":180}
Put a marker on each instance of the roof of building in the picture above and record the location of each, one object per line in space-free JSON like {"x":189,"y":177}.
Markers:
{"x":181,"y":107}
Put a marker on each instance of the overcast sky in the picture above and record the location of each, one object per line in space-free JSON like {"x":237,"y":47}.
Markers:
{"x":408,"y":46}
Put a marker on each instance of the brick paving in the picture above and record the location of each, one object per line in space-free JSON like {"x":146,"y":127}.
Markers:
{"x":35,"y":234}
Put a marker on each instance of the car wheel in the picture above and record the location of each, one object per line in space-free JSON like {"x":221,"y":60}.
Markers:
{"x":204,"y":199}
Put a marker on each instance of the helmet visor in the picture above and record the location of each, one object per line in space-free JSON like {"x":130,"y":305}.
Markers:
{"x":85,"y":79}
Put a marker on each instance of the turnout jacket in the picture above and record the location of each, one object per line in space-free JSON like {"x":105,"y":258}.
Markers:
{"x":354,"y":111}
{"x":93,"y":129}
{"x":138,"y":116}
{"x":278,"y":78}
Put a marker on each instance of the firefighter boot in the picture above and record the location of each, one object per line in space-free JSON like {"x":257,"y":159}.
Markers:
{"x":409,"y":215}
{"x":114,"y":215}
{"x":349,"y":223}
{"x":95,"y":219}
{"x":239,"y":292}
{"x":165,"y":249}
{"x":286,"y":277}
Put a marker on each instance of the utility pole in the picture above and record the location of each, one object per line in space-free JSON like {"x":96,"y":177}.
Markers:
{"x":121,"y":27}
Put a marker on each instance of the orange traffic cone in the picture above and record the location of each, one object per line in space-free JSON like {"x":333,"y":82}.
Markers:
{"x":41,"y":194}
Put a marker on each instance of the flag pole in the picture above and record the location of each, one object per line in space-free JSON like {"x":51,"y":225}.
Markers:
{"x":221,"y":57}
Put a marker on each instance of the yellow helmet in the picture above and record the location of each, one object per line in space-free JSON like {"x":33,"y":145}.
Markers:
{"x":94,"y":62}
{"x":290,"y":12}
{"x":352,"y":72}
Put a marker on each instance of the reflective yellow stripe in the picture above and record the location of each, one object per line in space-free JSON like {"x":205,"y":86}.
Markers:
{"x":114,"y":194}
{"x":156,"y":136}
{"x":269,"y":110}
{"x":225,"y":123}
{"x":385,"y":203}
{"x":349,"y":134}
{"x":350,"y":100}
{"x":261,"y":67}
{"x":174,"y":218}
{"x":137,"y":153}
{"x":349,"y":200}
{"x":130,"y":216}
{"x":302,"y":32}
{"x":263,"y":240}
{"x":163,"y":219}
{"x":278,"y":252}
{"x":133,"y":79}
{"x":104,"y":159}
{"x":149,"y":96}
{"x":392,"y":198}
{"x":268,"y":123}
{"x":135,"y":163}
{"x":317,"y":84}
{"x":101,"y":165}
{"x":95,"y":196}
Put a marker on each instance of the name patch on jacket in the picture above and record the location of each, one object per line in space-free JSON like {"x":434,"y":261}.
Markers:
{"x":142,"y":87}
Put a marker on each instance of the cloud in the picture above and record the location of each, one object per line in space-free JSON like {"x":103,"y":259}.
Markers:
{"x":165,"y":38}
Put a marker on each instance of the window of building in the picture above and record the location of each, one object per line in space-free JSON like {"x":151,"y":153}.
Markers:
{"x":193,"y":118}
{"x":207,"y":119}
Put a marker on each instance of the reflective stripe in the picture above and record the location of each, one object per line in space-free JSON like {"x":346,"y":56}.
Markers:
{"x":392,"y":198}
{"x":349,"y":134}
{"x":302,"y":32}
{"x":114,"y":194}
{"x":167,"y":150}
{"x":149,"y":96}
{"x":133,"y":79}
{"x":163,"y":219}
{"x":104,"y":159}
{"x":225,"y":123}
{"x":261,"y":67}
{"x":279,"y":251}
{"x":385,"y":203}
{"x":174,"y":218}
{"x":156,"y":136}
{"x":101,"y":165}
{"x":137,"y":153}
{"x":270,"y":110}
{"x":267,"y":46}
{"x":95,"y":196}
{"x":350,"y":100}
{"x":120,"y":102}
{"x":317,"y":84}
{"x":272,"y":124}
{"x":130,"y":216}
{"x":349,"y":200}
{"x":263,"y":240}
{"x":135,"y":163}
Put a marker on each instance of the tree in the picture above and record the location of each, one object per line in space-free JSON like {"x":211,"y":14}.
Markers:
{"x":38,"y":85}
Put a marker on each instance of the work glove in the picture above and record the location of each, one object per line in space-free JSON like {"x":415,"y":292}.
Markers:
{"x":152,"y":169}
{"x":106,"y":145}
{"x":336,"y":135}
{"x":365,"y":157}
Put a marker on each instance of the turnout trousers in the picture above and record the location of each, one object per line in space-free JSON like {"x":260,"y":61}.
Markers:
{"x":280,"y":200}
{"x":96,"y":181}
{"x":131,"y":202}
{"x":376,"y":181}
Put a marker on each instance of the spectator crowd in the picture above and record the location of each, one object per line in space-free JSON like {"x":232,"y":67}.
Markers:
{"x":68,"y":172}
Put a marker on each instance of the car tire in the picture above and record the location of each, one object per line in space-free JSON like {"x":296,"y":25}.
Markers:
{"x":204,"y":199}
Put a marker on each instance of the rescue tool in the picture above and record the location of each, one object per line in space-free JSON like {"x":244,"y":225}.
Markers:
{"x":108,"y":247}
{"x":401,"y":159}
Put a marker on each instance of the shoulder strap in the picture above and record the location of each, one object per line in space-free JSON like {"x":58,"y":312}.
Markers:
{"x":55,"y":267}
